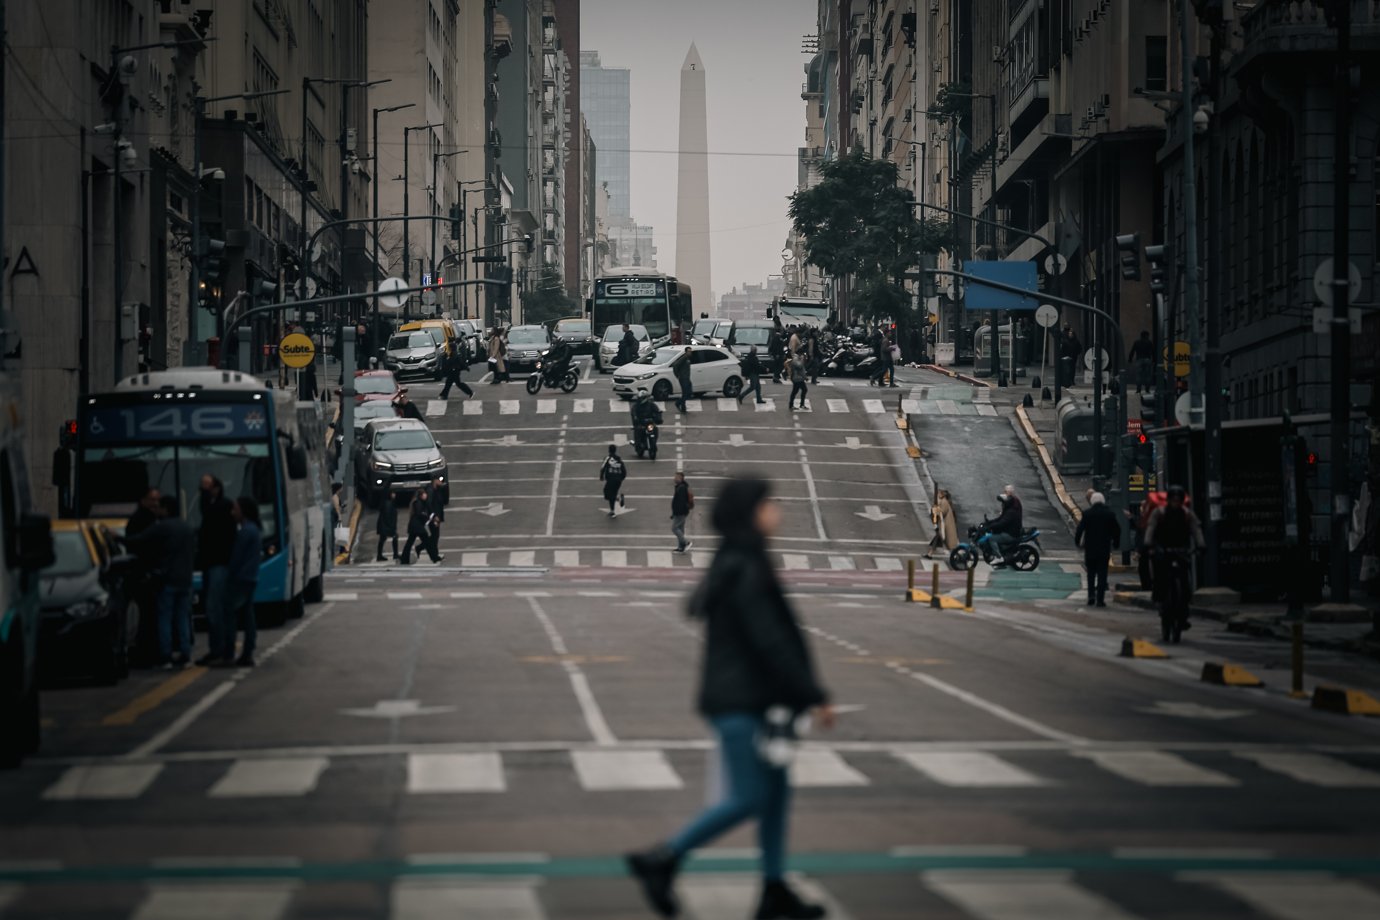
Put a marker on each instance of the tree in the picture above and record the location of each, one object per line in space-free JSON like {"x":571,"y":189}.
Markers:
{"x":858,"y":221}
{"x":548,"y":300}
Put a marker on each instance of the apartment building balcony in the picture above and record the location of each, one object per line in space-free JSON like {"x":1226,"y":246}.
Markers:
{"x":1300,"y":27}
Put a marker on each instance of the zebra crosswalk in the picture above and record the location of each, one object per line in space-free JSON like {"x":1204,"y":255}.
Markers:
{"x":485,"y":407}
{"x":532,"y":886}
{"x":664,"y":559}
{"x":616,"y":769}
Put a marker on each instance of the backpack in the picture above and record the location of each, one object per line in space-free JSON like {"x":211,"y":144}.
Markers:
{"x":689,"y":499}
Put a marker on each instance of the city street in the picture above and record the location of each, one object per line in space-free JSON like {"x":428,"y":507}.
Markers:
{"x":483,"y":738}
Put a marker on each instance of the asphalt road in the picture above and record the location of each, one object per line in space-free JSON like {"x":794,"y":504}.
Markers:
{"x":483,"y":740}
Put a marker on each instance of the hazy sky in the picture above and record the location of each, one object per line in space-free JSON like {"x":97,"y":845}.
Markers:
{"x":754,"y":69}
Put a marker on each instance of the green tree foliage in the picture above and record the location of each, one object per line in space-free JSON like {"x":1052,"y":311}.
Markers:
{"x":548,"y":300}
{"x":858,"y":221}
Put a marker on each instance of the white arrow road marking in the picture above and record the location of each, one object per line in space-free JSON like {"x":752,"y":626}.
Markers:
{"x":397,"y":709}
{"x":508,"y":440}
{"x":851,"y":443}
{"x":736,"y":440}
{"x":1192,"y":711}
{"x":873,"y":513}
{"x":493,"y":509}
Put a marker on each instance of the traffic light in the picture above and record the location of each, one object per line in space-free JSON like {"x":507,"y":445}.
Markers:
{"x":528,"y":242}
{"x":457,"y":222}
{"x":1156,"y":257}
{"x":211,"y":260}
{"x":1310,"y":461}
{"x":1128,"y":251}
{"x":264,"y":289}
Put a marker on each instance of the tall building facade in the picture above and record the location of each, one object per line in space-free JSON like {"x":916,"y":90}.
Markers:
{"x":692,"y":185}
{"x":606,"y":103}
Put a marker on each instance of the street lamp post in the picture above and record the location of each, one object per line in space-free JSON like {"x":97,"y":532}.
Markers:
{"x":407,"y":186}
{"x":436,"y":200}
{"x":374,"y":321}
{"x":464,"y":236}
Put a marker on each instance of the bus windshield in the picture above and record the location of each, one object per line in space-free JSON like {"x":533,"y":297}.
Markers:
{"x":640,"y":302}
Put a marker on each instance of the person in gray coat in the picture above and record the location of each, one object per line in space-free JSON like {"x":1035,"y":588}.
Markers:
{"x":1099,"y":532}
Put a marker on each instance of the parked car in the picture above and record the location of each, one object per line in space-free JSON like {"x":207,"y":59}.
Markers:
{"x":526,"y":345}
{"x":712,"y":370}
{"x":366,"y":412}
{"x":397,"y":453}
{"x":440,"y":327}
{"x":90,"y":619}
{"x":469,"y":330}
{"x":607,"y":353}
{"x":372,"y":385}
{"x":575,"y":332}
{"x":748,"y":333}
{"x":414,"y":354}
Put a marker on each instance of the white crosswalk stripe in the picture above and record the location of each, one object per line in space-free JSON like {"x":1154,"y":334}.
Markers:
{"x":567,"y":558}
{"x":277,"y":777}
{"x":435,"y":407}
{"x":1315,"y":769}
{"x":1021,"y":895}
{"x":240,"y":901}
{"x":436,"y":898}
{"x":794,"y":562}
{"x":889,"y":564}
{"x":614,"y":559}
{"x":873,"y":406}
{"x":986,"y":410}
{"x":474,"y":559}
{"x":837,"y":405}
{"x":584,"y":406}
{"x":112,"y":781}
{"x":817,"y":767}
{"x":472,"y":407}
{"x":842,"y":563}
{"x":508,"y":406}
{"x":701,"y":560}
{"x":1295,"y":896}
{"x":969,"y":768}
{"x":522,"y":557}
{"x":605,"y":771}
{"x":1157,"y":768}
{"x":728,"y":405}
{"x":767,"y":405}
{"x":452,"y":773}
{"x":659,"y":559}
{"x":546,"y":407}
{"x":618,"y":405}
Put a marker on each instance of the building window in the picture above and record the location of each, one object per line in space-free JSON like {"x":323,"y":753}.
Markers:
{"x":1156,"y":64}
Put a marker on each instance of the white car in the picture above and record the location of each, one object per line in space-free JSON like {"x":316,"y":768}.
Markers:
{"x":607,"y":352}
{"x":712,"y":370}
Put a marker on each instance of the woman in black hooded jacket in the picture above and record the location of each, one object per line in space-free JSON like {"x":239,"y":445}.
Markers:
{"x":755,"y":659}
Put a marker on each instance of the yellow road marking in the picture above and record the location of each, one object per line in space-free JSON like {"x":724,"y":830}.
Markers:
{"x":127,"y":715}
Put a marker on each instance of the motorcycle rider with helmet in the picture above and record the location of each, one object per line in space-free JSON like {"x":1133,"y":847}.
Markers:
{"x":644,"y":412}
{"x":1172,"y":528}
{"x":556,"y":362}
{"x":1006,"y":528}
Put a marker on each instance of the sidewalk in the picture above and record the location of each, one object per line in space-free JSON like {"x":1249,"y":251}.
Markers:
{"x":1037,"y":427}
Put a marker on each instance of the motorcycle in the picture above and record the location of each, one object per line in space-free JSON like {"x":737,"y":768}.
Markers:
{"x":1025,"y":555}
{"x":546,"y":375}
{"x":645,"y":438}
{"x":1175,"y":592}
{"x":850,"y":360}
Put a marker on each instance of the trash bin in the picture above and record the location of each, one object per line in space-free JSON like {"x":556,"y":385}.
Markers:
{"x":944,"y":354}
{"x":1073,"y":437}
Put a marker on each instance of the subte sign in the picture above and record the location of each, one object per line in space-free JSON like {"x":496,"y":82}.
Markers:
{"x":296,"y":350}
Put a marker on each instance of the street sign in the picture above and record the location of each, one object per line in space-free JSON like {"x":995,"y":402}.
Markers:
{"x":787,"y":255}
{"x":1089,"y":358}
{"x":1181,"y":356}
{"x":426,"y":279}
{"x":1322,"y":320}
{"x":1055,"y":264}
{"x":1183,"y":408}
{"x":393,"y":301}
{"x":1047,"y":315}
{"x":1013,"y":274}
{"x":296,"y":350}
{"x":429,"y":298}
{"x":1324,"y":276}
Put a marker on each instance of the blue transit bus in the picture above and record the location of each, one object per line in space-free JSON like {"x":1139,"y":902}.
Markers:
{"x":166,"y":430}
{"x":643,"y":297}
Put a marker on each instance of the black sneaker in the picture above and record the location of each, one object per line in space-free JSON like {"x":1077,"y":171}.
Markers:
{"x":656,"y":871}
{"x":780,"y":903}
{"x":622,"y":500}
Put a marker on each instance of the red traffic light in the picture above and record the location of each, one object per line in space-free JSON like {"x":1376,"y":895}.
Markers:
{"x":1311,"y":458}
{"x":1141,"y":438}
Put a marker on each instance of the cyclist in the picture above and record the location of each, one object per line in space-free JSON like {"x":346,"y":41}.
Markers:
{"x":1173,"y":528}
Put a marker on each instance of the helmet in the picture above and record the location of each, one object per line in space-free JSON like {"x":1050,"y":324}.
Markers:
{"x":1177,"y":492}
{"x":643,"y":395}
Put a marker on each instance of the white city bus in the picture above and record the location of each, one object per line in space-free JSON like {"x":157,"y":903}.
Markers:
{"x":642,"y":297}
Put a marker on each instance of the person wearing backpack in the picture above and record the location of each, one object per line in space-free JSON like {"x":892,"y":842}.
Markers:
{"x":682,"y":503}
{"x":612,"y":474}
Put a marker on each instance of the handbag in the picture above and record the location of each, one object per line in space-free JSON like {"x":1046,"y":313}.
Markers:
{"x":777,"y":740}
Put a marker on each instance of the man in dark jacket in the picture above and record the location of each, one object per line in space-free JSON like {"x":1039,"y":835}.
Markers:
{"x":456,"y":360}
{"x":627,"y":348}
{"x":680,"y":511}
{"x":776,"y":350}
{"x":1142,"y":357}
{"x":245,"y":559}
{"x":145,"y":514}
{"x":169,"y":549}
{"x":214,"y":543}
{"x":419,"y":516}
{"x":439,"y":497}
{"x":752,"y":376}
{"x":682,"y":371}
{"x":1006,"y":529}
{"x":405,"y":407}
{"x":387,"y":525}
{"x":1098,"y":533}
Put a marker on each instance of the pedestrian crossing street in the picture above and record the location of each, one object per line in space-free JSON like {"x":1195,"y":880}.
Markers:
{"x":425,"y":894}
{"x":819,"y":404}
{"x":574,"y":559}
{"x":889,"y":769}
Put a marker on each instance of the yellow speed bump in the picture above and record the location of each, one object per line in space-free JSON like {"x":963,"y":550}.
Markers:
{"x":1344,"y":701}
{"x":916,"y":596}
{"x":1140,"y":648}
{"x":1229,"y":675}
{"x":912,"y":452}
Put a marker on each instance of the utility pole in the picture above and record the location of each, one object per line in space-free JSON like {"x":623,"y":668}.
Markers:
{"x":1212,"y":409}
{"x":1339,"y":576}
{"x":1190,"y":200}
{"x":376,"y":339}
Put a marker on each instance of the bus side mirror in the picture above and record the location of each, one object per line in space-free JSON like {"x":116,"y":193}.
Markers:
{"x":771,"y":314}
{"x":35,"y":543}
{"x":297,"y":462}
{"x":589,"y":306}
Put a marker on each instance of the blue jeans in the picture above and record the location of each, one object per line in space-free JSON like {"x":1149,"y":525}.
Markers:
{"x":220,"y":629}
{"x":755,"y":789}
{"x":174,"y":619}
{"x":685,"y":393}
{"x":240,"y":615}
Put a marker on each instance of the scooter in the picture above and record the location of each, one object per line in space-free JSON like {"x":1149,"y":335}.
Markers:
{"x":645,"y":438}
{"x":1025,"y":555}
{"x":545,"y":375}
{"x":851,"y":361}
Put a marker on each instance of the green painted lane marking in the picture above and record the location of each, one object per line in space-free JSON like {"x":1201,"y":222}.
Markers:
{"x":613,"y":867}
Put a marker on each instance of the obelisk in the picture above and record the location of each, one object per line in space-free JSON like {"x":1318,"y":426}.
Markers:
{"x":692,"y":192}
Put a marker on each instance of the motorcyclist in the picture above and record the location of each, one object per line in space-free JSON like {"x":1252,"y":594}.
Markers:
{"x":557,"y":362}
{"x":645,"y":412}
{"x":1006,"y":527}
{"x":1172,"y":527}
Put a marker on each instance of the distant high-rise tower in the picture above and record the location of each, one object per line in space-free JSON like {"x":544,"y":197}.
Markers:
{"x":692,"y":194}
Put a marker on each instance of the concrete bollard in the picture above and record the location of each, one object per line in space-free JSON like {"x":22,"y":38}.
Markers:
{"x":1296,"y":660}
{"x":910,"y":579}
{"x":934,"y":589}
{"x":968,"y":596}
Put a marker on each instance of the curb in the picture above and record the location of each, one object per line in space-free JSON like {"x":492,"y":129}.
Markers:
{"x":975,"y":381}
{"x":1046,"y":461}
